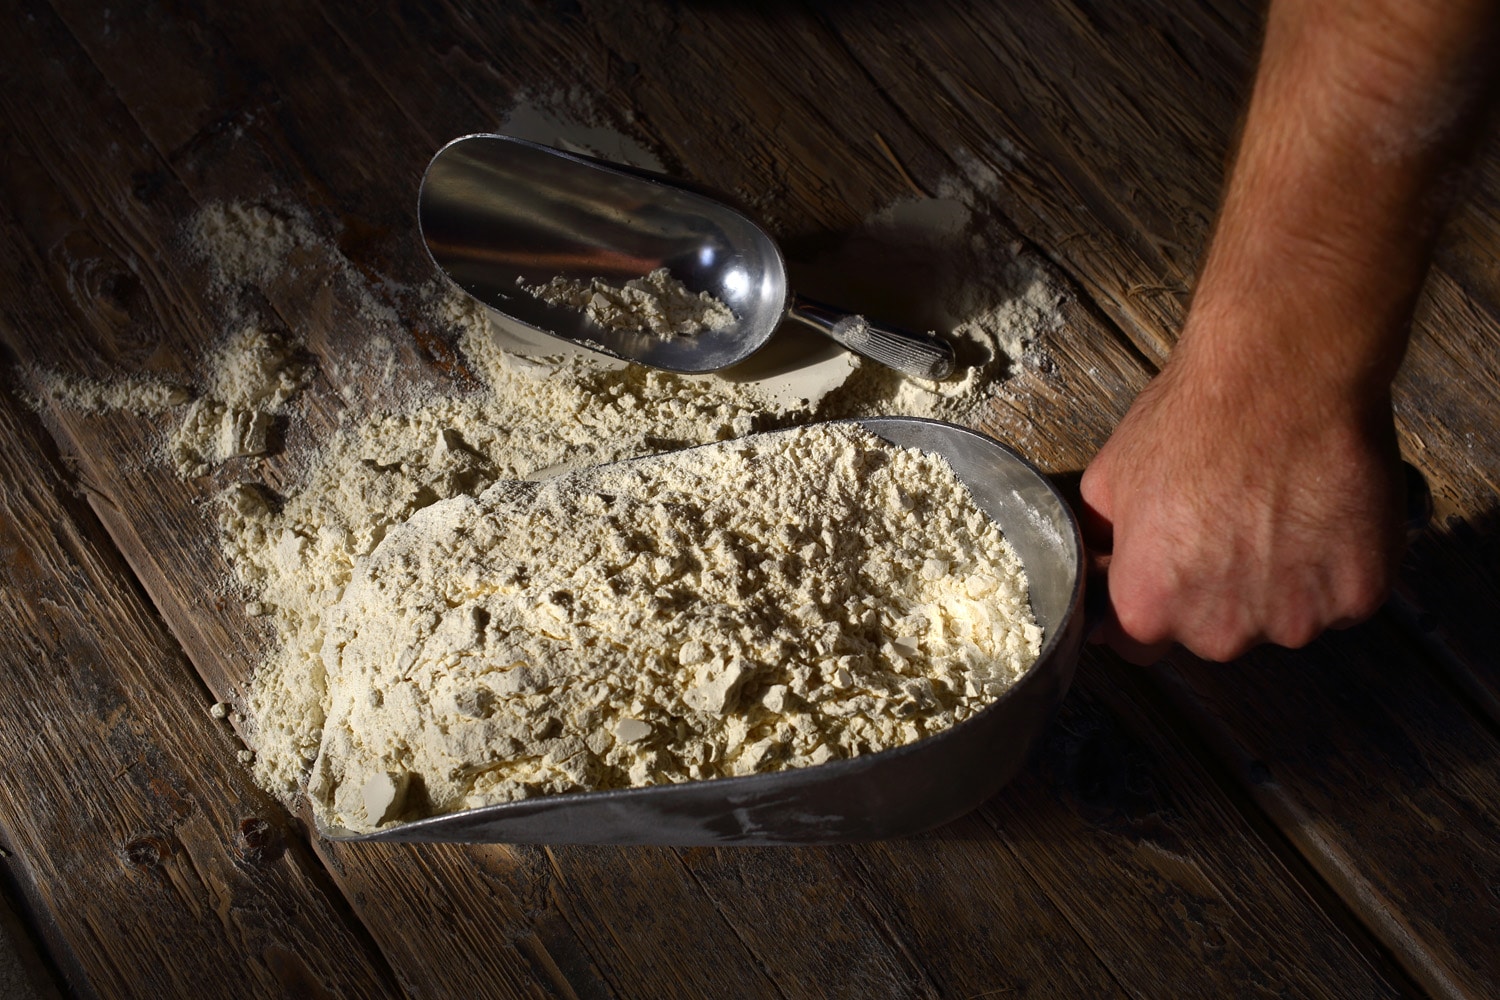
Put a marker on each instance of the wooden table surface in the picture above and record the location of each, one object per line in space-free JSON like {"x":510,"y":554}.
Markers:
{"x":1324,"y":823}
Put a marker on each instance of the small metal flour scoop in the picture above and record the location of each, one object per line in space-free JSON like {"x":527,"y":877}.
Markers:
{"x":892,"y":793}
{"x":498,"y":213}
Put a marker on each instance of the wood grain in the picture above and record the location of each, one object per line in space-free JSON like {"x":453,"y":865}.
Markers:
{"x":1129,"y":804}
{"x":1142,"y":855}
{"x":24,"y":972}
{"x":1385,"y":782}
{"x":122,"y":798}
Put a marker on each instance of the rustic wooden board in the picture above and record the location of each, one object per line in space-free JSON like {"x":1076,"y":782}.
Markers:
{"x":1383,"y":779}
{"x":122,"y":797}
{"x":24,"y":972}
{"x":238,"y":105}
{"x":1111,"y":758}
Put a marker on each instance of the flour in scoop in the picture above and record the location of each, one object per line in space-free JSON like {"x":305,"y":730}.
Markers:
{"x":749,"y":606}
{"x":657,"y":304}
{"x":305,"y":524}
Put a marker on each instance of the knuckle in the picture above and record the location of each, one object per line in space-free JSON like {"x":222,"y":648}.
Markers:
{"x":1094,"y":486}
{"x":1142,"y":621}
{"x":1219,"y":647}
{"x":1296,"y":635}
{"x":1294,"y":625}
{"x":1366,"y":598}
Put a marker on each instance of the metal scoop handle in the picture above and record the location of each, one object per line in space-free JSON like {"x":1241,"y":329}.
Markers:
{"x":919,"y":355}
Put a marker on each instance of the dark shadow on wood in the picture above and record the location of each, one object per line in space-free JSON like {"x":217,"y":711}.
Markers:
{"x":1448,"y":596}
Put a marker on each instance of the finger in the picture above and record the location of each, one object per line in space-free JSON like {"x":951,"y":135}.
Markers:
{"x":1096,"y":608}
{"x":1130,"y":648}
{"x":1103,"y":624}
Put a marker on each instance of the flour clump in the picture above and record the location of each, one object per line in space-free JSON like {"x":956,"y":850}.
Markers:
{"x":252,"y":376}
{"x":799,"y":597}
{"x":657,"y":304}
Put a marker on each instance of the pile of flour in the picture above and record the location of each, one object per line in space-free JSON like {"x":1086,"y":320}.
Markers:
{"x":296,"y":552}
{"x":658,"y":304}
{"x":748,"y":606}
{"x":252,"y":374}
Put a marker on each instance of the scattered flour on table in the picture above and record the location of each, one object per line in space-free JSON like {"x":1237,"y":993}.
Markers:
{"x":296,"y":552}
{"x":245,"y":243}
{"x":939,"y":264}
{"x":570,"y":119}
{"x":140,"y":394}
{"x":251,"y":373}
{"x":252,"y":376}
{"x":255,"y":370}
{"x":658,"y":304}
{"x":739,"y":608}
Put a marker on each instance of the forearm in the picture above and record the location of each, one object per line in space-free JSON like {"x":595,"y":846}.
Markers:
{"x":1360,"y":108}
{"x":1252,"y":493}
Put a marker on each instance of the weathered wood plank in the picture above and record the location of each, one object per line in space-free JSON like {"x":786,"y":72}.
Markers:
{"x":971,"y":919}
{"x":1107,"y":125}
{"x":123,"y":808}
{"x":241,"y":120}
{"x":1369,"y":746}
{"x":24,"y":973}
{"x":1130,"y":802}
{"x":1447,"y":391}
{"x":979,"y":922}
{"x":97,"y":218}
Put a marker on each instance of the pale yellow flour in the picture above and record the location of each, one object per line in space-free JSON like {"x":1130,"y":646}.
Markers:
{"x":798,"y":597}
{"x":657,"y":303}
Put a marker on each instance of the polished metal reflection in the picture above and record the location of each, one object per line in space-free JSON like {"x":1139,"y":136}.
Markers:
{"x":888,"y":794}
{"x":497,"y":212}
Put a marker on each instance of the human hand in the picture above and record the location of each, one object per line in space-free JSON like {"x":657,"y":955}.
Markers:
{"x":1235,"y":506}
{"x":1253,"y":493}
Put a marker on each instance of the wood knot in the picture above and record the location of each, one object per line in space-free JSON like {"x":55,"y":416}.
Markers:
{"x":147,"y":852}
{"x":259,"y":841}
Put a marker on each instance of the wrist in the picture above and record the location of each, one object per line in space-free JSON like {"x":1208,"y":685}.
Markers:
{"x":1276,"y":311}
{"x":1285,"y":362}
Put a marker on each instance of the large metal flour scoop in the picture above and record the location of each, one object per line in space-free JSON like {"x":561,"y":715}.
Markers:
{"x":887,"y":794}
